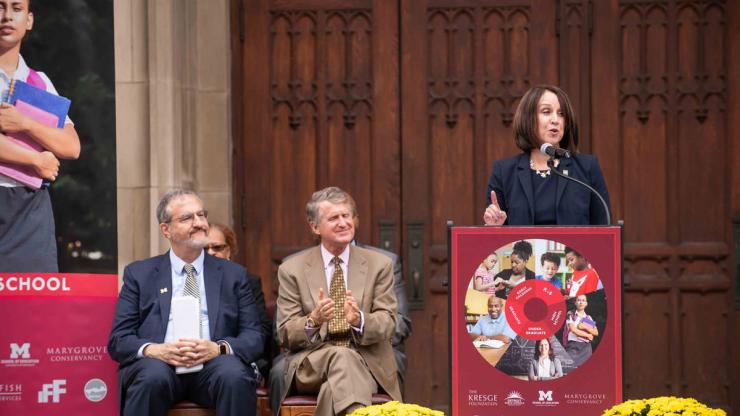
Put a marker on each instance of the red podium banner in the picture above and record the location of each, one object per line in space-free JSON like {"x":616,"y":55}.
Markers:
{"x":535,"y":320}
{"x":53,"y":346}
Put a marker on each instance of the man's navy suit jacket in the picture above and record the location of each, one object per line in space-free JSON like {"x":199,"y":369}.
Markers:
{"x":143,"y":308}
{"x":574,"y":204}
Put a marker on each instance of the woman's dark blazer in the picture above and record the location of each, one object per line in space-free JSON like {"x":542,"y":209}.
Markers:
{"x":575,"y":204}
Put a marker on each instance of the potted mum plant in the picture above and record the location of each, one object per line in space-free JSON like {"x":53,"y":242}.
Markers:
{"x":663,"y":406}
{"x":395,"y":408}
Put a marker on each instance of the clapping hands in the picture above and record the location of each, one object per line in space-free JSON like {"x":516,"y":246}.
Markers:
{"x":352,"y":310}
{"x":325,"y":308}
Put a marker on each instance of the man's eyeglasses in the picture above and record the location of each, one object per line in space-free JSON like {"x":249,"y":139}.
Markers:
{"x":216,"y":247}
{"x":189,"y":218}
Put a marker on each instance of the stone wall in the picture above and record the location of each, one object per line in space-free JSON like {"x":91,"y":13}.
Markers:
{"x":173,"y":113}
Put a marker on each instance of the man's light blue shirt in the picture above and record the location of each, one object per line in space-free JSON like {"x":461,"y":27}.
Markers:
{"x":178,"y":288}
{"x":492,"y":327}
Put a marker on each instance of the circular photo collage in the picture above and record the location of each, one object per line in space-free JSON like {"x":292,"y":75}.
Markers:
{"x":535,"y":309}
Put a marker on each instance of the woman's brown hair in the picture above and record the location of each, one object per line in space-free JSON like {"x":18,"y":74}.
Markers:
{"x":229,"y":236}
{"x":525,"y":120}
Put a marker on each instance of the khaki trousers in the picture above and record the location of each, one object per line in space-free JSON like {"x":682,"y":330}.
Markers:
{"x":340,"y":377}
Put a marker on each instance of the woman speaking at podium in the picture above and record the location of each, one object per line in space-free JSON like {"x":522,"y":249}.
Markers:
{"x":523,"y":191}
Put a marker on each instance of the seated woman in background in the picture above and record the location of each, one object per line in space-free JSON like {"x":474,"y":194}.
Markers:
{"x":545,"y":365}
{"x":509,"y":278}
{"x":550,"y":264}
{"x":483,"y":278}
{"x":580,"y":330}
{"x":222,"y":243}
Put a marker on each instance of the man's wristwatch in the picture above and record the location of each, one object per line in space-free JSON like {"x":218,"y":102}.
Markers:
{"x":223,"y":349}
{"x":311,"y":323}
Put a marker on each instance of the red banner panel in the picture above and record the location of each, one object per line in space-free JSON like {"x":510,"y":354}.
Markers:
{"x":53,"y":346}
{"x":535,"y":320}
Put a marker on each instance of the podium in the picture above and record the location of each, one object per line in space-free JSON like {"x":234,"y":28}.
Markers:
{"x":578,"y":311}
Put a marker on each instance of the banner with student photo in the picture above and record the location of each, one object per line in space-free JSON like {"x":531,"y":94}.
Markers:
{"x":57,"y":309}
{"x":535,"y":320}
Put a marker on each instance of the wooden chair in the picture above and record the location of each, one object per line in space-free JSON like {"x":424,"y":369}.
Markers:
{"x":186,"y":408}
{"x":306,"y":405}
{"x":263,"y":402}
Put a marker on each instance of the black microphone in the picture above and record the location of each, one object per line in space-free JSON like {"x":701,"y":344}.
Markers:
{"x":553,"y":151}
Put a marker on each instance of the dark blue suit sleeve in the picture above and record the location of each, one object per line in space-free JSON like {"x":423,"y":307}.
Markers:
{"x":249,"y":342}
{"x":255,"y":284}
{"x":124,"y":341}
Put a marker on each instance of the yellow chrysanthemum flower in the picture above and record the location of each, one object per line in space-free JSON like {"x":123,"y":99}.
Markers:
{"x":396,"y":409}
{"x":663,"y":406}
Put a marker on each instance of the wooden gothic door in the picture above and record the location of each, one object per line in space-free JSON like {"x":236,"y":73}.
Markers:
{"x":464,"y":66}
{"x":317,"y":105}
{"x":320,"y":93}
{"x":660,"y":95}
{"x":407,"y":103}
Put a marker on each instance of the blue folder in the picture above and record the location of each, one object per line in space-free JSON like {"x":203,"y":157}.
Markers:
{"x":39,"y":98}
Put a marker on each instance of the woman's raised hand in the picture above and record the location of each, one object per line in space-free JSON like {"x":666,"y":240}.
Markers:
{"x":493,"y":214}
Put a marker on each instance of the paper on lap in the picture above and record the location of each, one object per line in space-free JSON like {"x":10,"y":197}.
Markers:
{"x":186,"y":324}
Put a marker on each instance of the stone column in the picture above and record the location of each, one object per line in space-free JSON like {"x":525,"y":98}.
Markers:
{"x":173,"y":113}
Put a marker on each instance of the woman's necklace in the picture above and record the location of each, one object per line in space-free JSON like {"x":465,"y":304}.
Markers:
{"x":542,"y":173}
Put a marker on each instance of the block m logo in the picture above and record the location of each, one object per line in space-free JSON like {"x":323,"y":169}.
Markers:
{"x":22,"y":351}
{"x":545,"y":396}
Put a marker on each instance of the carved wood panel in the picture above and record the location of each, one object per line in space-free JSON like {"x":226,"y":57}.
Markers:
{"x":705,"y":369}
{"x":465,"y":65}
{"x":672,"y":100}
{"x":574,"y":28}
{"x":321,"y":93}
{"x":317,"y":75}
{"x":639,"y":331}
